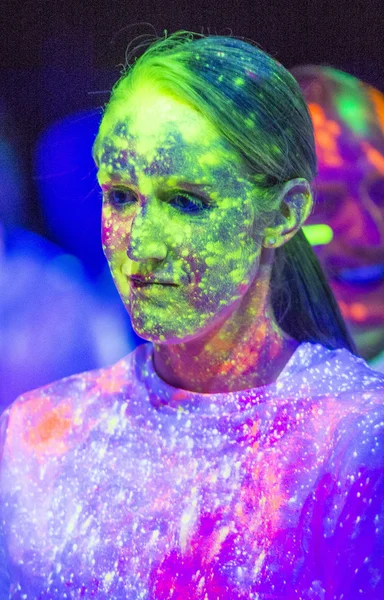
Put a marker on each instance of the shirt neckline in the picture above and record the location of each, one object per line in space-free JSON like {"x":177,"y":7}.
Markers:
{"x":170,"y":399}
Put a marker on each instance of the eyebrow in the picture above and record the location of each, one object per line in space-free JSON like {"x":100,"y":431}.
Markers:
{"x":117,"y":179}
{"x":194,"y":184}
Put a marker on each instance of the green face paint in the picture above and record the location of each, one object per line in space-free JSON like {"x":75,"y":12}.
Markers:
{"x":178,"y":217}
{"x":318,"y":235}
{"x":353,"y":110}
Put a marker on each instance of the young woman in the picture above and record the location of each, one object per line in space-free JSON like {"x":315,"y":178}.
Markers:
{"x":238,"y":454}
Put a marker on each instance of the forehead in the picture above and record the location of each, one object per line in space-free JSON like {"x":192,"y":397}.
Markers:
{"x":158,"y":134}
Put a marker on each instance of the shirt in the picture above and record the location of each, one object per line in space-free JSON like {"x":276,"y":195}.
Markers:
{"x":116,"y":485}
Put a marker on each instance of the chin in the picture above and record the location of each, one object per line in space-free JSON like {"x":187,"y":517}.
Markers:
{"x":167,"y":333}
{"x":158,"y":333}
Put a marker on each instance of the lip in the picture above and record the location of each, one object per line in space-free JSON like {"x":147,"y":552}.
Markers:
{"x":144,"y":281}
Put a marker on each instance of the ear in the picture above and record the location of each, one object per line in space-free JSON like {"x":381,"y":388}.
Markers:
{"x":295,"y":206}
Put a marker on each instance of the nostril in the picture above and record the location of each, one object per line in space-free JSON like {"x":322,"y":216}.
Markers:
{"x":146,"y":250}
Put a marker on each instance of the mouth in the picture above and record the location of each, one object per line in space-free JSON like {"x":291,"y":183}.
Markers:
{"x":138,"y":281}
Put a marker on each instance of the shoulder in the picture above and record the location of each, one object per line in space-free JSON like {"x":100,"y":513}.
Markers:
{"x":355,"y":392}
{"x":52,"y":418}
{"x":335,"y":372}
{"x":343,"y":400}
{"x":351,"y":400}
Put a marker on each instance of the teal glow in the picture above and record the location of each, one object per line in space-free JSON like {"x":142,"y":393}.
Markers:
{"x":318,"y":235}
{"x":354,"y":112}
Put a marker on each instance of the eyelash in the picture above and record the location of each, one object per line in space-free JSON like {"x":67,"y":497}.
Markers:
{"x":199,"y":204}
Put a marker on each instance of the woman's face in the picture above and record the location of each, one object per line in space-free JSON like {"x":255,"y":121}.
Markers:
{"x":177,"y":219}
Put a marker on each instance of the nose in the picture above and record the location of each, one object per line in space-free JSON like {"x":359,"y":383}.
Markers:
{"x":146,"y":237}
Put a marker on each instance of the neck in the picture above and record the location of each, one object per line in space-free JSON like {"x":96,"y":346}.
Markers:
{"x":246,"y":350}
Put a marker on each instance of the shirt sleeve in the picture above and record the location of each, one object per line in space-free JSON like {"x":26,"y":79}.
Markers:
{"x":4,"y":573}
{"x":357,"y":559}
{"x":347,"y":517}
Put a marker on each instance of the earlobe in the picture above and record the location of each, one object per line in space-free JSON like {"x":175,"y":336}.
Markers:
{"x":295,"y":206}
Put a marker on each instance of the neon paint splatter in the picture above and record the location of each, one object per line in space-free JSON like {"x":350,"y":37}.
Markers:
{"x":237,"y":494}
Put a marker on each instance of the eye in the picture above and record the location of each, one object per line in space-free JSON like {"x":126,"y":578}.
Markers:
{"x":119,"y":197}
{"x":188,"y":204}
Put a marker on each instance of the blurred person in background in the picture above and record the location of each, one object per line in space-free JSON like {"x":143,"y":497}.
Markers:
{"x":348,"y":118}
{"x":52,"y":321}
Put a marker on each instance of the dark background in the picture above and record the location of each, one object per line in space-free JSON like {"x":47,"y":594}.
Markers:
{"x":62,"y":56}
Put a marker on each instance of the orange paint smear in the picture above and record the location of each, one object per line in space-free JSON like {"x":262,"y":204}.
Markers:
{"x":355,"y":312}
{"x":358,"y":311}
{"x":326,"y":134}
{"x":110,"y":382}
{"x":377,"y":99}
{"x":50,"y":433}
{"x":374,"y":156}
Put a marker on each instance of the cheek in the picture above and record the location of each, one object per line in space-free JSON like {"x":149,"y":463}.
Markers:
{"x":106,"y":231}
{"x":114,"y":233}
{"x":222,"y":263}
{"x":229,"y":273}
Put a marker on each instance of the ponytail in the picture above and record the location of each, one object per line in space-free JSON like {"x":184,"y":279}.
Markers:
{"x":302,"y":300}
